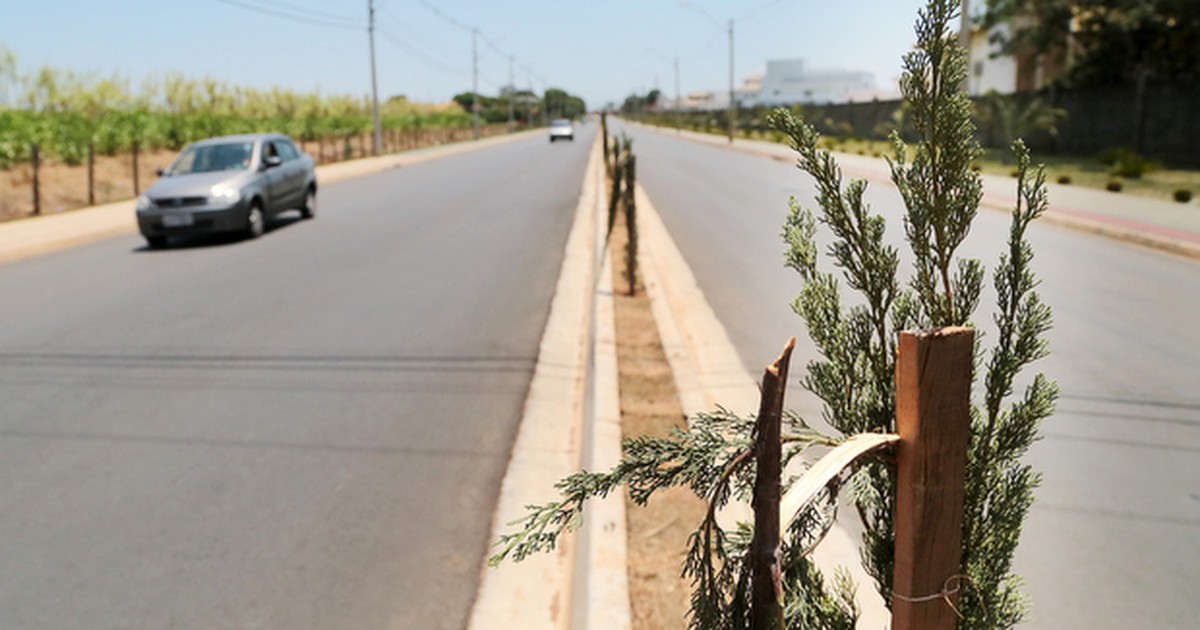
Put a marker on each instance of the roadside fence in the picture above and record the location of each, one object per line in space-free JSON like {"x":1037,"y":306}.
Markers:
{"x":47,"y":185}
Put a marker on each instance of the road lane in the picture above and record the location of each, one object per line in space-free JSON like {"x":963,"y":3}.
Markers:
{"x":1114,"y":539}
{"x":305,"y":430}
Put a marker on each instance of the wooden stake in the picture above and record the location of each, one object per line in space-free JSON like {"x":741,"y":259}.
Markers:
{"x":766,"y":587}
{"x":631,"y":231}
{"x":137,"y":189}
{"x":91,"y":175}
{"x":933,"y":418}
{"x":35,"y":156}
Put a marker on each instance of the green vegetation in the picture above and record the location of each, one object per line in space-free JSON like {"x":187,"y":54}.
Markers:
{"x":1123,"y":162}
{"x":524,"y":106}
{"x":1155,"y":181}
{"x":635,"y":103}
{"x":1111,"y":41}
{"x":854,"y":376}
{"x":1012,"y":119}
{"x":64,"y":112}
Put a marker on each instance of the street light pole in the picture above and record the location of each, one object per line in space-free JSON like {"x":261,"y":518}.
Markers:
{"x":732,"y":102}
{"x":532,"y":99}
{"x":678,"y":99}
{"x":512,"y":94}
{"x":475,"y":81}
{"x":377,"y":136}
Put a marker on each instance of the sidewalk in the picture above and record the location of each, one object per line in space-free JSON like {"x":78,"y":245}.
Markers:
{"x":32,"y":236}
{"x":1166,"y":225}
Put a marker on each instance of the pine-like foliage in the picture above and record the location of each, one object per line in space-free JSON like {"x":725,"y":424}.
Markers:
{"x":714,"y":459}
{"x":855,"y":375}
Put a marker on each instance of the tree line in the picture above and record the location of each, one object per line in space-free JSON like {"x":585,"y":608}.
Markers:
{"x":523,"y":106}
{"x":1103,"y":42}
{"x":65,"y":112}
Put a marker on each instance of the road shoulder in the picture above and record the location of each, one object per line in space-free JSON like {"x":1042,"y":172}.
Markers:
{"x":33,"y":236}
{"x":1162,"y":225}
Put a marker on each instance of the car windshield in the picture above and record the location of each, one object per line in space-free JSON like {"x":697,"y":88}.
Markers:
{"x":206,"y":158}
{"x":561,"y":122}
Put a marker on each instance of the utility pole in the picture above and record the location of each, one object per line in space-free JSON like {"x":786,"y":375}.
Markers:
{"x":717,"y":23}
{"x":377,"y":137}
{"x":475,"y":80}
{"x":512,"y":95}
{"x":732,"y":103}
{"x":542,"y":108}
{"x":678,"y":99}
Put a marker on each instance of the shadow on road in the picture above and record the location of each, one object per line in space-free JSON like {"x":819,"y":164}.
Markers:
{"x":218,"y":240}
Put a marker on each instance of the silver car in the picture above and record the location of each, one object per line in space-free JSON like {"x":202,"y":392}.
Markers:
{"x":228,"y":184}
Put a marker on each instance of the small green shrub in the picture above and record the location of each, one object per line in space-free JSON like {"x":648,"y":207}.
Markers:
{"x":1064,"y":179}
{"x":1014,"y":174}
{"x":1113,"y":186}
{"x":1110,"y":157}
{"x":1183,"y":195}
{"x":1123,"y":162}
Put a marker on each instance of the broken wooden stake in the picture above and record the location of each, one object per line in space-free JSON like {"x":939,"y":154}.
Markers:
{"x":766,"y":588}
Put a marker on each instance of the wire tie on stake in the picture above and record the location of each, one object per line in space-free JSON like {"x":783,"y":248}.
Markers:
{"x":957,"y":579}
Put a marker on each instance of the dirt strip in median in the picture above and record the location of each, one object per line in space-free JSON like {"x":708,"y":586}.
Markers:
{"x":657,"y":532}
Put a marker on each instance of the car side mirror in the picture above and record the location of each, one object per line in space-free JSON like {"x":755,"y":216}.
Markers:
{"x":272,"y":161}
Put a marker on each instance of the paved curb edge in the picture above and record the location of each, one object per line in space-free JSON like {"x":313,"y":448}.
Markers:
{"x":708,"y":371}
{"x":1093,"y":226}
{"x":584,"y":583}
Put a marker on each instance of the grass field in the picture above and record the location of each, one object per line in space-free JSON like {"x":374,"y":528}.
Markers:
{"x":1078,"y":171}
{"x":1086,"y":171}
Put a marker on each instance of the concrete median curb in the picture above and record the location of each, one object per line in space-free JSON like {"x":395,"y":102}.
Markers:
{"x":32,"y":236}
{"x":571,"y":420}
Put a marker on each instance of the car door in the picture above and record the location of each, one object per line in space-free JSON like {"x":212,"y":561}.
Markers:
{"x":293,"y":172}
{"x":275,"y":179}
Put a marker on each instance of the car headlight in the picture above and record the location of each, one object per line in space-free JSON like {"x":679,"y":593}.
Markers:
{"x":225,"y":193}
{"x":144,"y":204}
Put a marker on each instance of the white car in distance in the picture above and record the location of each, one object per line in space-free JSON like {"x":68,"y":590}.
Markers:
{"x":561,"y":129}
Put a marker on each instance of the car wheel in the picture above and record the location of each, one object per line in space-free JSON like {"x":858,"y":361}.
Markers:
{"x":156,"y":242}
{"x":551,"y":139}
{"x":309,"y":209}
{"x":255,"y":221}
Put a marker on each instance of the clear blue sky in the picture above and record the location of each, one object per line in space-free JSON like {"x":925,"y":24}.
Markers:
{"x":602,"y":50}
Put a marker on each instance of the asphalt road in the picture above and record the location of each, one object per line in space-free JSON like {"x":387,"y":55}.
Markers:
{"x":307,"y":430}
{"x":1114,"y":538}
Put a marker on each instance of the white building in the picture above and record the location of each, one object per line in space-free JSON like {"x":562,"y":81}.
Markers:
{"x":992,"y":70}
{"x":787,"y":81}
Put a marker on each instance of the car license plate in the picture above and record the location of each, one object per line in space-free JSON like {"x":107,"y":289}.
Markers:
{"x":177,"y":220}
